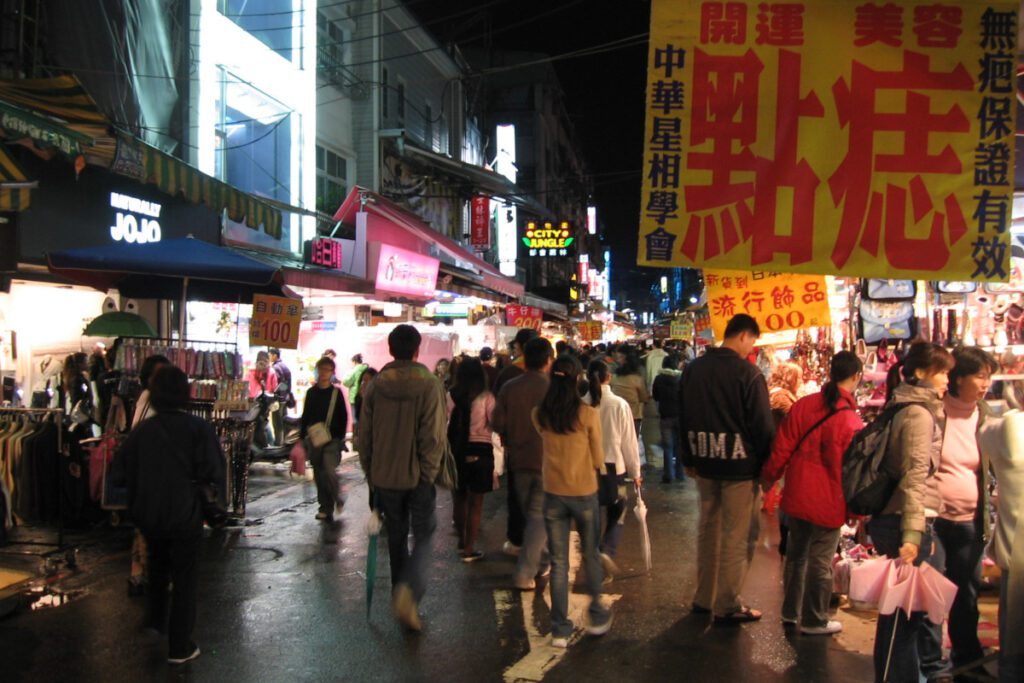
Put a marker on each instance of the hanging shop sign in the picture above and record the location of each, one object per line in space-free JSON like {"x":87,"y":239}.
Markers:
{"x":548,"y":239}
{"x":776,"y":301}
{"x":443,"y":309}
{"x":275,"y":322}
{"x":517,"y":315}
{"x":324,"y":252}
{"x":590,"y":330}
{"x":480,"y":222}
{"x":135,"y":220}
{"x":845,"y":137}
{"x":681,"y":329}
{"x":400,"y":271}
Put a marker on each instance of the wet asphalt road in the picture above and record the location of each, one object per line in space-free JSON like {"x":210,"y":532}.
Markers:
{"x":284,"y":600}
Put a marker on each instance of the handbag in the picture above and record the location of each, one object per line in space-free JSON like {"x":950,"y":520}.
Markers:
{"x":319,"y":433}
{"x":882,"y":320}
{"x":890,"y":290}
{"x":448,"y":474}
{"x":298,"y":459}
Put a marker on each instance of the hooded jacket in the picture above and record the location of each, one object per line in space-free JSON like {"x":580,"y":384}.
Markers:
{"x":912,"y":458}
{"x":814,"y":471}
{"x":403,"y":426}
{"x":725,"y":419}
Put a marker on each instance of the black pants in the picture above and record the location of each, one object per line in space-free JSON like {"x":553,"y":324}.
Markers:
{"x":963,"y":547}
{"x":516,"y":524}
{"x":173,"y":561}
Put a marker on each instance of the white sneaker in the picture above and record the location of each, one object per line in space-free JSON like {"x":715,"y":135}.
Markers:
{"x":561,"y":643}
{"x":186,"y":658}
{"x":510,"y":548}
{"x":828,"y":629}
{"x":601,"y":629}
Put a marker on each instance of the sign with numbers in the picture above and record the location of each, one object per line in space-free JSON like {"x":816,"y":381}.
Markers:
{"x":275,"y":321}
{"x":517,"y":315}
{"x":776,"y":301}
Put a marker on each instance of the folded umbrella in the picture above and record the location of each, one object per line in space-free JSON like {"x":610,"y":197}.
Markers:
{"x":373,"y":533}
{"x":641,"y":515}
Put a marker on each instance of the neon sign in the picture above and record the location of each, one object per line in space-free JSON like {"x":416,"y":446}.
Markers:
{"x":545,"y":239}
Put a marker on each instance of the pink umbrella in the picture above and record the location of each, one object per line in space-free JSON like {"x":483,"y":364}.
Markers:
{"x":892,"y":584}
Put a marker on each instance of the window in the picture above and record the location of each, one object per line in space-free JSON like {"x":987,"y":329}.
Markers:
{"x":254,"y":136}
{"x":428,"y":125}
{"x":331,"y":180}
{"x":269,"y":21}
{"x":332,"y":41}
{"x":385,"y":94}
{"x":400,"y":107}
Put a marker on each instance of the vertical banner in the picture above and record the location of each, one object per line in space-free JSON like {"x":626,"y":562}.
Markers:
{"x":275,"y":321}
{"x":777,"y":302}
{"x":846,"y":137}
{"x":480,"y":222}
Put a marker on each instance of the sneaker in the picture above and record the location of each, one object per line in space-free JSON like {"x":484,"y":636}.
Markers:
{"x":601,"y":629}
{"x":559,"y":642}
{"x":828,"y":629}
{"x":404,"y":606}
{"x":609,"y":566}
{"x":185,"y":658}
{"x":786,"y":621}
{"x":474,"y":556}
{"x":321,"y":516}
{"x":510,"y":548}
{"x":525,"y":585}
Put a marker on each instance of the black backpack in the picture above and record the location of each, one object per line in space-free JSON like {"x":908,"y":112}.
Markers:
{"x":867,"y":487}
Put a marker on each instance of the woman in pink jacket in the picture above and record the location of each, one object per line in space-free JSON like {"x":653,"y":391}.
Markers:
{"x":809,"y":450}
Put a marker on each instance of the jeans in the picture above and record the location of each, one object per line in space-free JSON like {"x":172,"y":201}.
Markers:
{"x":559,"y":513}
{"x":173,"y":561}
{"x":897,"y":635}
{"x":963,"y":546}
{"x":400,"y":508}
{"x":325,"y":473}
{"x":670,"y":441}
{"x":530,"y":492}
{"x":808,"y":573}
{"x":726,"y":538}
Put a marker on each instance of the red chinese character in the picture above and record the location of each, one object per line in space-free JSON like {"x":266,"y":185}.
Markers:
{"x":782,"y":297}
{"x":741,"y":282}
{"x":710,"y":280}
{"x":865,"y":212}
{"x":780,"y":24}
{"x":752,"y":299}
{"x":726,"y":283}
{"x":723,"y":22}
{"x":723,"y":306}
{"x":937,"y":25}
{"x":878,"y":24}
{"x":812,"y":293}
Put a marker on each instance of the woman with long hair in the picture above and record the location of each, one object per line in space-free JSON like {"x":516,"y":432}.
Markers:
{"x":904,"y":529}
{"x":808,"y":449}
{"x":621,"y":457}
{"x":573,"y":455}
{"x":469,"y":432}
{"x":629,"y":382}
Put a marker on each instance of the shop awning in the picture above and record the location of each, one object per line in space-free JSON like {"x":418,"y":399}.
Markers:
{"x":418,"y":236}
{"x":300,"y":275}
{"x":51,"y":113}
{"x":161,"y":270}
{"x":15,"y":187}
{"x":552,"y":308}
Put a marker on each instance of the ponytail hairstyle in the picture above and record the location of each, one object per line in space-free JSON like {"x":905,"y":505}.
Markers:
{"x":924,"y":356}
{"x":597,"y":373}
{"x":845,"y":365}
{"x":560,"y":409}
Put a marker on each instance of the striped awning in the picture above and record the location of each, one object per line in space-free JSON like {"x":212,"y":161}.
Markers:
{"x":12,"y":198}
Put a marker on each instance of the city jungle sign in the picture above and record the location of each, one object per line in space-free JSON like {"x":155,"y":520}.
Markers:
{"x":868,"y":139}
{"x":545,"y":239}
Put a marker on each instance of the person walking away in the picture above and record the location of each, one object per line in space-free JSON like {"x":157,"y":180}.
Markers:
{"x":283,"y":394}
{"x":353,"y":382}
{"x":728,"y":429}
{"x":401,"y":444}
{"x":628,"y":382}
{"x":469,"y":433}
{"x":808,"y":450}
{"x":357,"y":405}
{"x":621,"y":457}
{"x":490,"y":367}
{"x":654,"y":362}
{"x":512,"y":419}
{"x":516,"y":520}
{"x":962,"y":526}
{"x":666,"y":392}
{"x":325,"y":405}
{"x":164,"y":462}
{"x":904,"y":528}
{"x":571,"y":436}
{"x":783,"y":385}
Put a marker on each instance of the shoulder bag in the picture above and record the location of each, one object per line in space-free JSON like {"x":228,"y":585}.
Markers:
{"x":320,"y":432}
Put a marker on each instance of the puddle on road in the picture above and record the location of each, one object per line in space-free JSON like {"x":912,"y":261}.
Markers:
{"x":45,"y":598}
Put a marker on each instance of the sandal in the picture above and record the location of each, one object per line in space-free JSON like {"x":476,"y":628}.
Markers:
{"x":740,"y":616}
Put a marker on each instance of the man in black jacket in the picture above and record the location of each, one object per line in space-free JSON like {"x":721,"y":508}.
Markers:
{"x":727,"y":432}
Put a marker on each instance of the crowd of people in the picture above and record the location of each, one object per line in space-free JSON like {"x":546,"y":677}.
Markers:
{"x":562,"y":426}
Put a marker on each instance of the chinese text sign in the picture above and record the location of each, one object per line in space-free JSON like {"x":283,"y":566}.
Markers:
{"x":275,"y":322}
{"x":844,"y":137}
{"x":777,"y":302}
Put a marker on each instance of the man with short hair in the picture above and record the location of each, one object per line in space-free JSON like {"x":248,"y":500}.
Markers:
{"x":512,"y":421}
{"x":401,"y":443}
{"x":727,"y":430}
{"x":283,"y":393}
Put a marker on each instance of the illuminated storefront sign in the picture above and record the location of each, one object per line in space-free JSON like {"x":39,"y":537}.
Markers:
{"x":406,"y":272}
{"x":324,"y":251}
{"x":136,"y":220}
{"x":546,"y":239}
{"x":505,"y":165}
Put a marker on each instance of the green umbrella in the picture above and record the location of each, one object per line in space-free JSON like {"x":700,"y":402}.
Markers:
{"x":119,"y":324}
{"x":373,"y":533}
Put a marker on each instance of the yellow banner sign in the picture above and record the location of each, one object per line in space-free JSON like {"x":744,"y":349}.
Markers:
{"x":777,"y":302}
{"x":275,"y":321}
{"x":872,"y":139}
{"x":681,"y":329}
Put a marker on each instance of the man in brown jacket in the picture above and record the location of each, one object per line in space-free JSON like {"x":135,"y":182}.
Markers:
{"x":401,"y":443}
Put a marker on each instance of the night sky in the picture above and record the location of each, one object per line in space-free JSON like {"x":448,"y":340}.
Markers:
{"x":604,"y":95}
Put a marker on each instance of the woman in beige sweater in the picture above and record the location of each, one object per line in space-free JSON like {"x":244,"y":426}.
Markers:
{"x":573,"y":456}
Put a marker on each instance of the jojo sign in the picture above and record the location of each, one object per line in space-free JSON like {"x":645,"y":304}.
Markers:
{"x":547,"y":239}
{"x":777,"y":302}
{"x":275,"y":322}
{"x":847,"y":137}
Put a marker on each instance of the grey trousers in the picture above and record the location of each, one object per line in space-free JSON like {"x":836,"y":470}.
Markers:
{"x":807,"y":578}
{"x":325,"y":473}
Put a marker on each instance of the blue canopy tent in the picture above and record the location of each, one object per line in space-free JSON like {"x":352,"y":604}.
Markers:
{"x":186,"y":268}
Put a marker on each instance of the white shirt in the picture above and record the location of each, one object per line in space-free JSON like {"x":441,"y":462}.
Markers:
{"x":618,"y":433}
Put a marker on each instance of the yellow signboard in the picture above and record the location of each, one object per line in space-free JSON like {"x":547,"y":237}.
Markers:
{"x":275,"y":322}
{"x":845,"y":137}
{"x":777,"y":302}
{"x":681,"y":329}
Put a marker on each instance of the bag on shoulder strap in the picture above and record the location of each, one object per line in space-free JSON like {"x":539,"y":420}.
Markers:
{"x":867,"y":487}
{"x":448,"y":475}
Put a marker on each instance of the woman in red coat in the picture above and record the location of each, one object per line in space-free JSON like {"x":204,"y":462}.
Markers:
{"x":808,"y":450}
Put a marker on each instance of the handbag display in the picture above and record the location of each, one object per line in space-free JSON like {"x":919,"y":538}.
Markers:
{"x":319,"y":433}
{"x":884,"y":320}
{"x":954,"y":287}
{"x":889,"y":290}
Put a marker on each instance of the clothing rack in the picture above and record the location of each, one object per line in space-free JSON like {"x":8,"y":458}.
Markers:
{"x":173,"y":340}
{"x":70,"y":554}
